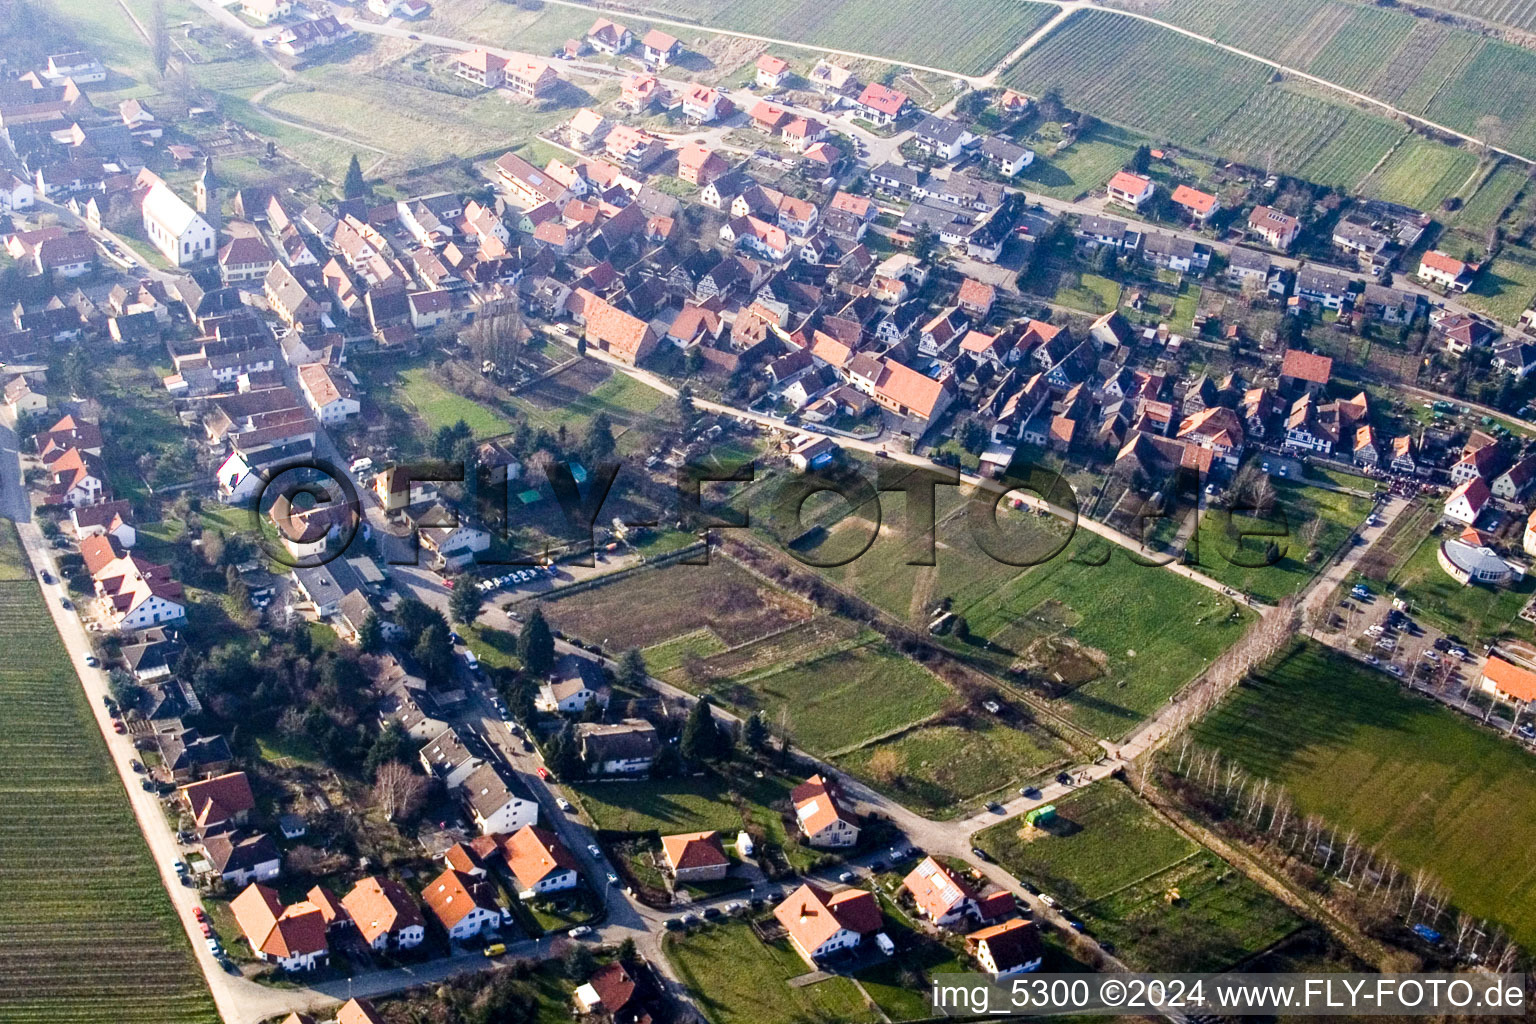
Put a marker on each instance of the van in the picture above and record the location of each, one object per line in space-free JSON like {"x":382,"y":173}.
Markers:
{"x":886,"y":945}
{"x":470,"y":659}
{"x":496,"y":949}
{"x":360,"y":466}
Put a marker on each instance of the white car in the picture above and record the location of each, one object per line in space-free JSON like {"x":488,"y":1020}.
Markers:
{"x":592,"y":848}
{"x":562,"y":803}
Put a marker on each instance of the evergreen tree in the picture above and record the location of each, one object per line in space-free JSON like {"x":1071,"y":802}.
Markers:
{"x":1142,"y":159}
{"x":536,"y":645}
{"x":702,"y":739}
{"x":632,"y":671}
{"x":433,"y":652}
{"x":756,"y":732}
{"x":370,"y":636}
{"x":599,"y":446}
{"x":464,"y":602}
{"x":353,"y":186}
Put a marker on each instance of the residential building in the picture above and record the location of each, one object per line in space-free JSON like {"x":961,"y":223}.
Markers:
{"x":1004,"y":157}
{"x":820,"y":924}
{"x":821,"y":816}
{"x":695,"y":857}
{"x":1512,"y":484}
{"x":1001,"y":950}
{"x":1302,"y":371}
{"x":530,"y":78}
{"x":943,"y":137}
{"x":329,"y":393}
{"x":1327,"y":288}
{"x":659,"y":49}
{"x":1438,"y":268}
{"x":1197,"y":205}
{"x":881,"y":104}
{"x":1248,"y":268}
{"x":245,"y":258}
{"x":539,"y":861}
{"x":940,"y":896}
{"x":609,"y":37}
{"x":223,"y":801}
{"x":699,"y":165}
{"x":1278,"y":230}
{"x":292,"y":937}
{"x":447,"y":757}
{"x":622,"y":748}
{"x":1467,"y":502}
{"x":613,"y":993}
{"x":385,"y":914}
{"x":481,"y":67}
{"x":495,"y":803}
{"x":1131,"y":190}
{"x":771,"y":71}
{"x":240,"y":857}
{"x":574,"y":683}
{"x":464,"y":905}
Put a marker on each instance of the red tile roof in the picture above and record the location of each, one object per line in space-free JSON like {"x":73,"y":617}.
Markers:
{"x":1307,"y":366}
{"x":1193,"y":199}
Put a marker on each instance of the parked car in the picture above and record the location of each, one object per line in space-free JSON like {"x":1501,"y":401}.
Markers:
{"x":980,"y":854}
{"x":1030,"y":792}
{"x":562,"y":803}
{"x":91,"y":661}
{"x":46,"y":576}
{"x":118,"y":726}
{"x":580,"y":931}
{"x":846,"y":878}
{"x":495,"y":949}
{"x":594,"y":850}
{"x":65,"y":604}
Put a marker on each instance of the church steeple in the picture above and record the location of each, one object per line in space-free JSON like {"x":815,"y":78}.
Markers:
{"x":207,"y":194}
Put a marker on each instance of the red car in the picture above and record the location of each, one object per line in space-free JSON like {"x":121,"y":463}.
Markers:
{"x":543,"y":772}
{"x":207,"y":931}
{"x":198,"y":913}
{"x":118,"y":726}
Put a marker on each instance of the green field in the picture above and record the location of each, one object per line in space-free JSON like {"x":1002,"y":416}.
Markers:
{"x":438,"y":407}
{"x":1492,"y":98}
{"x":1517,"y":13}
{"x":1091,"y":294}
{"x":1421,"y":174}
{"x":1238,"y":561}
{"x":737,"y":979}
{"x":967,"y":36}
{"x":1083,"y":166}
{"x":1109,"y":860}
{"x":1421,"y":783}
{"x":1475,"y":612}
{"x":1139,"y":75}
{"x":1507,"y":287}
{"x":1323,"y":141}
{"x":1087,"y":612}
{"x":81,"y":931}
{"x":1173,"y":87}
{"x":835,"y":700}
{"x":1103,"y":840}
{"x":695,"y":804}
{"x":946,"y":765}
{"x":1491,"y":199}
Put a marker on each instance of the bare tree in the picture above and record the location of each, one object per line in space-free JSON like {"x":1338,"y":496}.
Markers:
{"x":398,"y":791}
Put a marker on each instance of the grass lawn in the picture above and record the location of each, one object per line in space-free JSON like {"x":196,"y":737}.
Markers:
{"x":439,"y":407}
{"x":695,"y":804}
{"x":1475,"y":611}
{"x":1091,"y":294}
{"x":646,"y":608}
{"x":57,"y":912}
{"x":1087,"y":612}
{"x":1421,"y":783}
{"x":670,"y":655}
{"x":1507,"y":288}
{"x":1083,"y":166}
{"x":737,"y":979}
{"x":1102,"y":840}
{"x":1238,"y":559}
{"x":1111,"y":861}
{"x":1421,"y":174}
{"x":946,"y":765}
{"x":839,"y":699}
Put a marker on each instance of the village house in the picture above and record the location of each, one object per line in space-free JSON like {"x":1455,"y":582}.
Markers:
{"x":695,"y":857}
{"x":1131,"y":190}
{"x":771,"y":71}
{"x":1277,"y":230}
{"x":1507,"y":681}
{"x":1467,"y":501}
{"x":481,"y":67}
{"x":574,"y":683}
{"x":131,"y":592}
{"x":223,"y":801}
{"x":539,"y":861}
{"x":245,"y":258}
{"x":1001,"y":950}
{"x":881,"y":104}
{"x":622,"y":748}
{"x":821,"y":924}
{"x":329,"y":394}
{"x":659,"y":49}
{"x":464,"y":905}
{"x":292,"y":937}
{"x":1444,"y":271}
{"x":609,"y":37}
{"x":385,"y":914}
{"x":1197,"y":205}
{"x":496,"y":803}
{"x":821,"y":817}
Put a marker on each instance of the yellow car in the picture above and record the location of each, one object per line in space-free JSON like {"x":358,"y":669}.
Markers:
{"x":495,"y":949}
